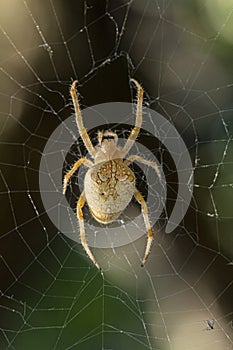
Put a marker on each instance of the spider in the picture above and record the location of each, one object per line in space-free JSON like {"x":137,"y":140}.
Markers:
{"x":109,"y":183}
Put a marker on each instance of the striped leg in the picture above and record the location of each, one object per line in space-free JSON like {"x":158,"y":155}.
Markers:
{"x":134,"y":133}
{"x":79,"y":121}
{"x":80,"y":204}
{"x":75,"y":167}
{"x":140,"y":159}
{"x":138,"y":196}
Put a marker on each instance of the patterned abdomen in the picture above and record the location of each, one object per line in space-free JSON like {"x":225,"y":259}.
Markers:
{"x":109,"y":187}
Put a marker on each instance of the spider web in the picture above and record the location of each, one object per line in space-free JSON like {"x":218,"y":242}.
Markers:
{"x":51,"y":295}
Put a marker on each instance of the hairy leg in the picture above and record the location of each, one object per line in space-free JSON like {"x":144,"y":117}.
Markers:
{"x":75,"y":167}
{"x":80,"y":205}
{"x":79,"y":120}
{"x":140,"y":159}
{"x":138,"y":196}
{"x":134,"y":133}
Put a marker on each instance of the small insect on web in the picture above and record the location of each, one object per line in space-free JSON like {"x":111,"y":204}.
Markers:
{"x":109,"y":183}
{"x":210,"y":324}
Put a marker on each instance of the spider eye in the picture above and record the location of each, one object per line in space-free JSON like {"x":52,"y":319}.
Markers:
{"x":102,"y":193}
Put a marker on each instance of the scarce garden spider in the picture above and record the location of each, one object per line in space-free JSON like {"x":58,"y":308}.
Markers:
{"x":109,"y":184}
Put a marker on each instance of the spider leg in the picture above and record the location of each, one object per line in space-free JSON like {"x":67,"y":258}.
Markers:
{"x":79,"y":120}
{"x":138,"y":196}
{"x":140,"y":159}
{"x":75,"y":167}
{"x":80,"y":204}
{"x":134,"y":133}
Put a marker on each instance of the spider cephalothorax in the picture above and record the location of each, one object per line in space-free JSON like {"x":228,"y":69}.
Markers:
{"x":109,"y":184}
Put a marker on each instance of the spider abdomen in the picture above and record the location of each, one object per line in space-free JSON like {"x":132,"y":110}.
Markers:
{"x":109,"y":187}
